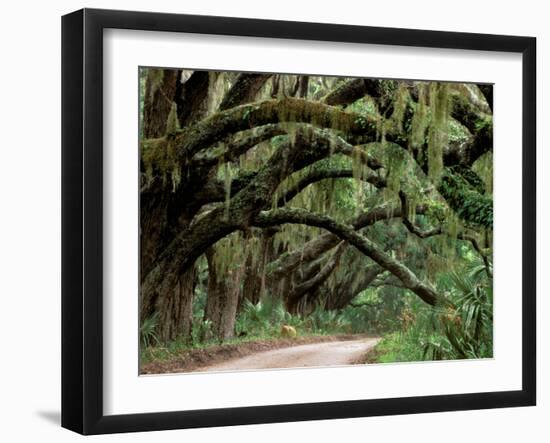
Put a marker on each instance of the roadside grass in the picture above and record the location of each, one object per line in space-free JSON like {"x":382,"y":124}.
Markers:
{"x":397,"y":347}
{"x":172,"y":349}
{"x":256,"y":322}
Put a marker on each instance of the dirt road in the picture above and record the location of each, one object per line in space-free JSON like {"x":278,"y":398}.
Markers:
{"x":335,"y":353}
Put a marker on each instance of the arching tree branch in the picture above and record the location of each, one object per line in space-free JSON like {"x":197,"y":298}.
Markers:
{"x":288,"y":262}
{"x":345,"y":291}
{"x":215,"y":128}
{"x":303,"y":287}
{"x":322,"y":174}
{"x":364,"y":245}
{"x":353,"y":90}
{"x":186,"y":247}
{"x":235,"y":148}
{"x":410,"y":225}
{"x":244,"y":90}
{"x":214,"y":190}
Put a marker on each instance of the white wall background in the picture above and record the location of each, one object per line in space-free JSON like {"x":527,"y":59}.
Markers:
{"x":30,"y":219}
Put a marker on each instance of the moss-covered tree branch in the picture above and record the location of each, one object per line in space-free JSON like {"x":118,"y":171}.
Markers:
{"x":244,"y":90}
{"x":288,"y":262}
{"x":317,"y":175}
{"x":363,"y":244}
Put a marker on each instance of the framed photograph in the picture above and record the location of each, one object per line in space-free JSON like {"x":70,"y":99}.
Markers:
{"x":269,"y":221}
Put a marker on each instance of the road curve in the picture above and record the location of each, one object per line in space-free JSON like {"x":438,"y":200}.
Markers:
{"x":334,"y":353}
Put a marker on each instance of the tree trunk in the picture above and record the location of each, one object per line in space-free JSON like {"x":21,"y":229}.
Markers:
{"x":275,"y":86}
{"x":244,"y":90}
{"x":304,"y":292}
{"x":222,"y":299}
{"x":347,"y":290}
{"x":160,"y":90}
{"x":160,"y":215}
{"x":230,"y":301}
{"x":303,"y":84}
{"x":254,"y":285}
{"x":191,"y":97}
{"x":175,"y":309}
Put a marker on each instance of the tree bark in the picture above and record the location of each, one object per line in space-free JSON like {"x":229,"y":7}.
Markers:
{"x":311,"y":284}
{"x":191,"y":97}
{"x":353,"y":90}
{"x":254,"y":284}
{"x":322,"y":174}
{"x":175,"y":309}
{"x":161,"y":214}
{"x":244,"y":90}
{"x":215,"y":128}
{"x":160,"y":88}
{"x":302,"y":84}
{"x":346,"y":291}
{"x":222,"y":299}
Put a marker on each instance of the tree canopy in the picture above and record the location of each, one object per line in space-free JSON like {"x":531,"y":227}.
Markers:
{"x":307,"y":189}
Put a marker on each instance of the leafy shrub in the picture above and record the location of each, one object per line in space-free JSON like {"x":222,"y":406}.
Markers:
{"x":465,"y":331}
{"x":147,"y":332}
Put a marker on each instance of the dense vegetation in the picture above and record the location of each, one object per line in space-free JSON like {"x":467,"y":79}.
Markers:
{"x":334,"y":205}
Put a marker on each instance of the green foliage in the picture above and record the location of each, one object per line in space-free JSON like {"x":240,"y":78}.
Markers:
{"x":465,"y":199}
{"x":364,"y":106}
{"x":202,"y":332}
{"x":322,"y":321}
{"x":148,"y":336}
{"x":262,"y":319}
{"x":265,"y":319}
{"x":465,"y":331}
{"x":472,"y":335}
{"x":456,"y":132}
{"x":483,"y":168}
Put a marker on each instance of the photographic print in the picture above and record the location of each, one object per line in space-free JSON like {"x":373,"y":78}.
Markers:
{"x":292,"y":221}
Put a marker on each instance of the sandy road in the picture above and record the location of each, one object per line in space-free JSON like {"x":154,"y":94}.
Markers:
{"x":334,"y":353}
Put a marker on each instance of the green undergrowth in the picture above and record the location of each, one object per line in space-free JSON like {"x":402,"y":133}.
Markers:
{"x":258,"y":322}
{"x":462,"y":332}
{"x":177,"y":347}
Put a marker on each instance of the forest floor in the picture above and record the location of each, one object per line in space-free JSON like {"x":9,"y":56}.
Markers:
{"x":335,"y":350}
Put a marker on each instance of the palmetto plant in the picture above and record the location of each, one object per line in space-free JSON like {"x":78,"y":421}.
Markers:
{"x":470,"y":331}
{"x":147,"y":331}
{"x":466,"y":330}
{"x":263,"y":318}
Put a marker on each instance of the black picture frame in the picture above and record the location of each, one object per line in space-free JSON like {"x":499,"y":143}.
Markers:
{"x":82,"y":219}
